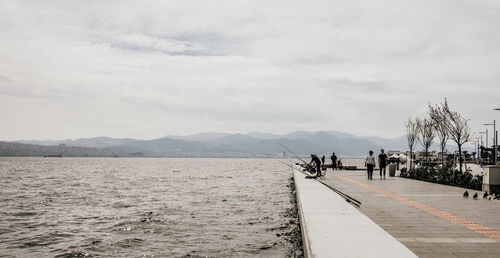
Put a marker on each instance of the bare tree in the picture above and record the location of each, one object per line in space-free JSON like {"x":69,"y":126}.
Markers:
{"x":426,"y":135}
{"x":412,"y":134}
{"x":439,"y":116}
{"x":459,"y":131}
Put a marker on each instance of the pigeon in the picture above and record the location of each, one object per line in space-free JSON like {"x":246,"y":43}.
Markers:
{"x":497,"y":197}
{"x":475,"y":196}
{"x":485,"y":194}
{"x":466,"y":194}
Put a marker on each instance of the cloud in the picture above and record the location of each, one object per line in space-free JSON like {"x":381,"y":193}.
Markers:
{"x":140,"y":42}
{"x":130,"y":69}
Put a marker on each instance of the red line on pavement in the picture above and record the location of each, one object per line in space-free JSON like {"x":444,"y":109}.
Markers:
{"x":486,"y":231}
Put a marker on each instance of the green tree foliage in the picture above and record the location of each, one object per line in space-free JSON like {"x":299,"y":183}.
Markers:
{"x":445,"y":175}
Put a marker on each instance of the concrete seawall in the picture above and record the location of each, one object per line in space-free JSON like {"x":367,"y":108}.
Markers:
{"x":331,"y":227}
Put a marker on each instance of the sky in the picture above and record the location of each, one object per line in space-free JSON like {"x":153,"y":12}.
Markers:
{"x":146,"y":69}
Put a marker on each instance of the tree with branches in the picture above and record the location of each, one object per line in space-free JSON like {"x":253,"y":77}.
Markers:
{"x":439,"y":116}
{"x":459,"y":131}
{"x":412,"y":129}
{"x":426,"y":135}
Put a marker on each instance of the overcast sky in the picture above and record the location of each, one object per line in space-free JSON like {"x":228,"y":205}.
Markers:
{"x":145,"y":69}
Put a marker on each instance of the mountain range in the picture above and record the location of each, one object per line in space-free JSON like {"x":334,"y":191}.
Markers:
{"x":254,"y":144}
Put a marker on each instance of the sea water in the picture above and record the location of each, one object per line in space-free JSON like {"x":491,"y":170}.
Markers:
{"x":146,"y":207}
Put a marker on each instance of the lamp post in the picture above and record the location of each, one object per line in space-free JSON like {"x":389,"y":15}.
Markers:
{"x":494,"y":141}
{"x":482,"y":142}
{"x":477,"y":149}
{"x":486,"y":138}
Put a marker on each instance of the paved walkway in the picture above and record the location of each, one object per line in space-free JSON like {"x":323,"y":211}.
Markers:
{"x":331,"y":227}
{"x":431,"y":220}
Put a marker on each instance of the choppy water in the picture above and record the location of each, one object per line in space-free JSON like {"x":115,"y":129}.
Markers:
{"x":145,"y":207}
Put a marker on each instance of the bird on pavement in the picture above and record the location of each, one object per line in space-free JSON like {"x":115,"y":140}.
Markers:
{"x":466,"y":194}
{"x":475,"y":196}
{"x":485,"y":194}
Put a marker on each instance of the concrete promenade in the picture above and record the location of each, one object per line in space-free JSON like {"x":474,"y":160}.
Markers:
{"x":332,"y":227}
{"x":431,"y":220}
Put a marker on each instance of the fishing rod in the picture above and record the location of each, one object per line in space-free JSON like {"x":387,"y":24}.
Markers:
{"x":291,"y":165}
{"x":297,"y":156}
{"x":287,"y":164}
{"x":306,"y":165}
{"x":348,"y":198}
{"x":290,"y":155}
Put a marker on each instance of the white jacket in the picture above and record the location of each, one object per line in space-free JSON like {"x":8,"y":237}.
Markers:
{"x":370,"y":160}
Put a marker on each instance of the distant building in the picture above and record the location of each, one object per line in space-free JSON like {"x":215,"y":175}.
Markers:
{"x":432,"y":155}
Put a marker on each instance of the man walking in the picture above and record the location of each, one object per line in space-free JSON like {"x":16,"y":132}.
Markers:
{"x":382,"y":162}
{"x":370,"y":164}
{"x":334,"y":161}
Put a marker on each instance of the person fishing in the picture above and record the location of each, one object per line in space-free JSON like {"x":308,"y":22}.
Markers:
{"x":316,"y":161}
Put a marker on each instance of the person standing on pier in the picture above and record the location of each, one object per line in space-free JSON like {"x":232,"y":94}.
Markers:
{"x":334,"y":161}
{"x":370,"y":164}
{"x":382,"y":162}
{"x":323,"y":160}
{"x":316,"y":161}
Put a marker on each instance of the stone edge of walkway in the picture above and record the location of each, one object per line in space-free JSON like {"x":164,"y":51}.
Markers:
{"x":331,"y":227}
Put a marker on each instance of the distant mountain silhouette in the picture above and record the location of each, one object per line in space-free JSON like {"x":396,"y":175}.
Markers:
{"x":253,"y":144}
{"x":198,"y":136}
{"x":266,"y":136}
{"x":211,"y":144}
{"x":15,"y":149}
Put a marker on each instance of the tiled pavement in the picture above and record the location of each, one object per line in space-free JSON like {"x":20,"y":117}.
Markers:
{"x":407,"y":210}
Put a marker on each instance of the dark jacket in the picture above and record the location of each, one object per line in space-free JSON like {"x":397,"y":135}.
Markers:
{"x":316,"y":160}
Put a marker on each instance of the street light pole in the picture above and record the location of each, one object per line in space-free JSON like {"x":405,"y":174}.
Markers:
{"x":486,"y":138}
{"x":477,"y":149}
{"x":494,"y":141}
{"x":482,"y":142}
